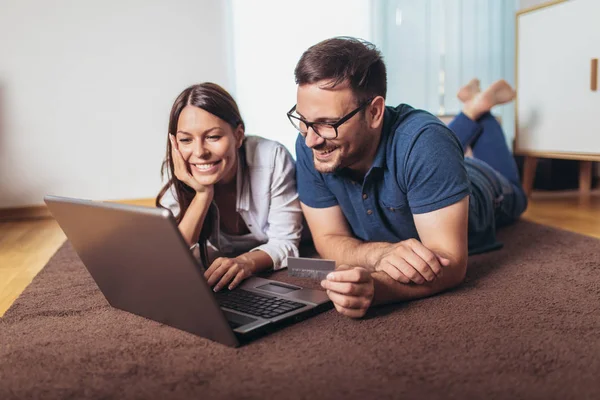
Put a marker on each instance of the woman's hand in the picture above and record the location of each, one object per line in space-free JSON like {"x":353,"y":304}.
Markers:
{"x":225,"y":270}
{"x":182,"y":171}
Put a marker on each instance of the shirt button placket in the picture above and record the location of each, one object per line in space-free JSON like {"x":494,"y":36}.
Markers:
{"x":365,"y":197}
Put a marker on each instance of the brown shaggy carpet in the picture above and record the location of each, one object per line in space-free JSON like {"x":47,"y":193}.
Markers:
{"x":524,"y":325}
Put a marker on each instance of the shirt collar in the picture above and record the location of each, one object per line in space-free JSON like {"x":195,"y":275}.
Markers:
{"x":380,"y":155}
{"x":243,"y":188}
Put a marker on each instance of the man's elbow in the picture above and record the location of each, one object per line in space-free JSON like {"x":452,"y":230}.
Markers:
{"x":458,"y":275}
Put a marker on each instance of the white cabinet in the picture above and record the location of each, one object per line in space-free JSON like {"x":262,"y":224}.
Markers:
{"x":557,"y":111}
{"x":557,"y":105}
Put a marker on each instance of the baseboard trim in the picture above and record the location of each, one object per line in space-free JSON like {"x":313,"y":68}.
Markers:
{"x":42,"y":212}
{"x":20,"y":213}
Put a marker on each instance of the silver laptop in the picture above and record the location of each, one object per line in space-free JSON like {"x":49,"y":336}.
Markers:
{"x":142,"y":265}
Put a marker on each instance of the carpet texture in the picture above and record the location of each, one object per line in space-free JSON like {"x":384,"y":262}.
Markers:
{"x":524,"y":325}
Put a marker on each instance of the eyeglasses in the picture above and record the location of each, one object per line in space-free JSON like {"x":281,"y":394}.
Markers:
{"x":322,"y":129}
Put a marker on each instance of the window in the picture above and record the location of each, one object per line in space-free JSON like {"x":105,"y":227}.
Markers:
{"x":433,"y":47}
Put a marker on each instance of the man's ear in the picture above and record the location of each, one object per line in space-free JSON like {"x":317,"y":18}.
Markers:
{"x":375,"y":112}
{"x":239,"y":135}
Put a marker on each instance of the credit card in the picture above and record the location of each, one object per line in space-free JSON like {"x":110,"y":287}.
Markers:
{"x":313,"y":268}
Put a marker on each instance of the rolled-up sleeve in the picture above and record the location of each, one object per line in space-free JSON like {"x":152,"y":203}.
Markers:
{"x":285,"y":215}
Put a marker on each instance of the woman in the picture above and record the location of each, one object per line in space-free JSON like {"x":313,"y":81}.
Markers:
{"x":233,"y":196}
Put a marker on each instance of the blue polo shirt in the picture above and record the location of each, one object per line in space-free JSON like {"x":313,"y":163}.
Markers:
{"x":418,"y":168}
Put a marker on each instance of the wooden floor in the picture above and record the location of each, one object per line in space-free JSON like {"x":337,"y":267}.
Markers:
{"x":566,"y":210}
{"x":26,"y":246}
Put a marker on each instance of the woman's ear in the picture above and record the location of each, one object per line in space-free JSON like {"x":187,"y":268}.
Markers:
{"x":239,"y":135}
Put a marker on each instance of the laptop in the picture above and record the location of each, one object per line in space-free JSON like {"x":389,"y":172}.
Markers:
{"x":141,"y":263}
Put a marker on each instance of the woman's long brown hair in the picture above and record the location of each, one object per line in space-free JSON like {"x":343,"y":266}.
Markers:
{"x":217,"y":101}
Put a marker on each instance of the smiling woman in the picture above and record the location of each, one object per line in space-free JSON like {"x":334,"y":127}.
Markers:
{"x":234,"y":196}
{"x":203,"y":140}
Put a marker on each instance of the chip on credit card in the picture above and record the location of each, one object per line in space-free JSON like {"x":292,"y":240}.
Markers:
{"x":313,"y":268}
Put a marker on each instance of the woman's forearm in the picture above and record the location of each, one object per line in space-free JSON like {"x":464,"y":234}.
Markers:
{"x":193,"y":219}
{"x":257,"y":261}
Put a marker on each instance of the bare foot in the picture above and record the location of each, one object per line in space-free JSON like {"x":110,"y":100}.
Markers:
{"x":469,"y":91}
{"x":499,"y":92}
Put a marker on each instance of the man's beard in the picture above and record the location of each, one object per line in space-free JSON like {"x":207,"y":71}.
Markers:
{"x":330,"y":166}
{"x":340,"y":161}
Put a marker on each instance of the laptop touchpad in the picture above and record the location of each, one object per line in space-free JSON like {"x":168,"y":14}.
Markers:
{"x":278,"y":288}
{"x":237,"y":320}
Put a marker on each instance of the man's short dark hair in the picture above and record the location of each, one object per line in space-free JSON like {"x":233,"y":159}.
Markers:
{"x":344,"y":59}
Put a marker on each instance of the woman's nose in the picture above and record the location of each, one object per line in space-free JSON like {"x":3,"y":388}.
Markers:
{"x":200,"y":150}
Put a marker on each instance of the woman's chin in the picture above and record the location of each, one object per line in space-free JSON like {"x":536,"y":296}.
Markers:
{"x":206,"y":180}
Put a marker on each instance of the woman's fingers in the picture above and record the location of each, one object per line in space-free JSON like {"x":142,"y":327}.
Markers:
{"x":180,"y":166}
{"x":233,"y":271}
{"x":237,"y":280}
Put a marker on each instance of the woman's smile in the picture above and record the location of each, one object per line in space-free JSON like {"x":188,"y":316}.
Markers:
{"x":206,"y":168}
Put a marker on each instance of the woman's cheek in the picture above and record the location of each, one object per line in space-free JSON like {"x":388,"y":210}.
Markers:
{"x":185,"y":153}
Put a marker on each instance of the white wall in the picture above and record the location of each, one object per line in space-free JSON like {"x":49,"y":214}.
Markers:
{"x":269,"y":37}
{"x":86,"y":88}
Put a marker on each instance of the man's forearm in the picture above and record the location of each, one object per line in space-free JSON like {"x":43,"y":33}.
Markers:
{"x":388,"y":290}
{"x":351,"y":251}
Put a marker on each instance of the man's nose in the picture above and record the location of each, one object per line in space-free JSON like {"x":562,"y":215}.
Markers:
{"x":312,"y":139}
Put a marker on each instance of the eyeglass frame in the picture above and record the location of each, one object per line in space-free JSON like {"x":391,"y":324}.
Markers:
{"x":335,"y":125}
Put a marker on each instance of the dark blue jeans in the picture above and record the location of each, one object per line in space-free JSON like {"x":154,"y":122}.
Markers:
{"x":497,"y":197}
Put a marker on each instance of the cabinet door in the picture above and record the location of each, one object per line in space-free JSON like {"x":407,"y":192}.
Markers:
{"x":585,"y":107}
{"x":556,"y":108}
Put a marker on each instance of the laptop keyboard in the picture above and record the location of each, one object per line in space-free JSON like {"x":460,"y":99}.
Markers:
{"x":259,"y":305}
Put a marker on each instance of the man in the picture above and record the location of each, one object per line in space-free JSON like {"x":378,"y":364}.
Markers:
{"x":386,"y":191}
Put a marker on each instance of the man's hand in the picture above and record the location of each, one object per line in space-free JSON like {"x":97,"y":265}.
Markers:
{"x":224,"y":270}
{"x":410,"y":261}
{"x":350,"y":289}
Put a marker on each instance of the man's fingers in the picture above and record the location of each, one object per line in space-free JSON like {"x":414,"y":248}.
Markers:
{"x":346,"y":288}
{"x":349,"y":312}
{"x":355,"y":275}
{"x":422,"y":266}
{"x":349,"y":302}
{"x":444,"y":261}
{"x":406,"y":268}
{"x":395,"y":273}
{"x":428,"y":257}
{"x":342,"y":286}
